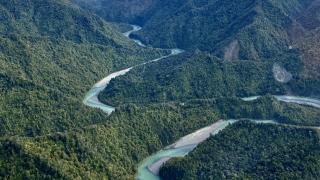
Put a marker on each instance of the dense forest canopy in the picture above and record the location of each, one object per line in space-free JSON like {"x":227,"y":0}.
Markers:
{"x":113,"y":149}
{"x":251,"y":151}
{"x":201,"y":76}
{"x":53,"y":51}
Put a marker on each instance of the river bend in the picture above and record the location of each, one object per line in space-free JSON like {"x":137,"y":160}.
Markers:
{"x":149,"y":168}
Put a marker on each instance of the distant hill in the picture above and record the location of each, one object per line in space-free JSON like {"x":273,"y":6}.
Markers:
{"x":211,"y":25}
{"x":258,"y":26}
{"x":258,"y":30}
{"x":309,"y":44}
{"x":134,"y":12}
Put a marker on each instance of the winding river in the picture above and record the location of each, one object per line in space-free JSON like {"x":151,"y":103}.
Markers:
{"x":91,"y":98}
{"x":149,"y":168}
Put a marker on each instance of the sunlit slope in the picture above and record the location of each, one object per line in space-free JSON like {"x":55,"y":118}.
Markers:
{"x":113,"y":149}
{"x":201,"y":76}
{"x":51,"y":52}
{"x":251,"y":151}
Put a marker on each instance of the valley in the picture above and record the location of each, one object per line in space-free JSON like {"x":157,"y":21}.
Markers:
{"x":195,"y":89}
{"x":149,"y":169}
{"x":91,"y":98}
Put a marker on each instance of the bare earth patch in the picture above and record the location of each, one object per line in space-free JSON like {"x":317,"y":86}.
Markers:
{"x":232,"y":51}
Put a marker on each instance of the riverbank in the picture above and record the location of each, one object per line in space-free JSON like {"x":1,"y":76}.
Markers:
{"x":91,"y":99}
{"x":150,"y":167}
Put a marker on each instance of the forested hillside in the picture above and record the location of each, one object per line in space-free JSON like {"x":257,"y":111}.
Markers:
{"x":252,"y":30}
{"x":251,"y":151}
{"x":134,"y":12}
{"x":113,"y":149}
{"x":51,"y":53}
{"x":258,"y":26}
{"x":275,"y":39}
{"x":201,"y":76}
{"x":310,"y":45}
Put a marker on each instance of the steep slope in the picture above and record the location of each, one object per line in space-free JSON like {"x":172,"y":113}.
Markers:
{"x":134,"y":12}
{"x":15,"y":161}
{"x":201,"y":76}
{"x":251,"y":151}
{"x":191,"y":76}
{"x":56,"y":19}
{"x":258,"y":26}
{"x":52,"y":58}
{"x":251,"y":29}
{"x":50,"y":53}
{"x":267,"y":31}
{"x":310,"y":45}
{"x":112,"y":149}
{"x":304,"y":34}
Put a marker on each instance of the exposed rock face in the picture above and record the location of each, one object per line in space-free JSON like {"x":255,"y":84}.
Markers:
{"x":281,"y":74}
{"x":232,"y":51}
